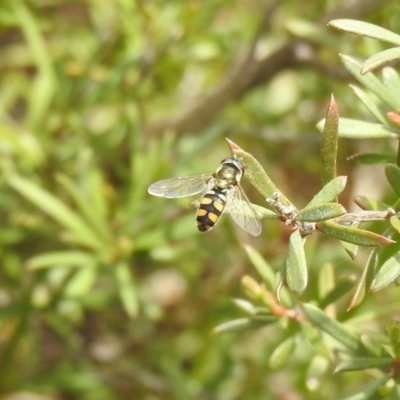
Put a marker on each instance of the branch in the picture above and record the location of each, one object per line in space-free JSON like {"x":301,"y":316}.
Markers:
{"x":249,"y":73}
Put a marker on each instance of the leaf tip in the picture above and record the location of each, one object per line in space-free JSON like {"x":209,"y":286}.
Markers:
{"x":233,"y":146}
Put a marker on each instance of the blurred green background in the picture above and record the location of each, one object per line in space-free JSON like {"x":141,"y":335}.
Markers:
{"x":105,"y":291}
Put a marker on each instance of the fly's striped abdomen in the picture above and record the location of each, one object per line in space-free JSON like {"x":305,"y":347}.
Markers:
{"x":210,"y":209}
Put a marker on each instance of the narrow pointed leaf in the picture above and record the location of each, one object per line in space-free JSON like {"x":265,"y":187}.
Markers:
{"x":353,"y":235}
{"x":387,"y":273}
{"x":282,"y":353}
{"x":366,"y":203}
{"x":393,"y":329}
{"x":81,"y":282}
{"x":393,"y":117}
{"x":244,"y":324}
{"x":359,"y":364}
{"x":361,"y":288}
{"x":127,"y":289}
{"x":296,"y":264}
{"x":256,"y":175}
{"x":50,"y":205}
{"x":251,"y":287}
{"x":316,"y":340}
{"x":351,"y":249}
{"x":317,"y":368}
{"x":392,"y":173}
{"x":391,"y":79}
{"x":71,"y":258}
{"x":311,"y":32}
{"x":329,"y":192}
{"x":371,"y":82}
{"x":44,"y":86}
{"x":372,"y":158}
{"x":395,"y":223}
{"x":98,"y":193}
{"x":341,"y":289}
{"x":322,"y":212}
{"x":245,"y":305}
{"x":376,"y":258}
{"x":329,"y":143}
{"x":279,"y":280}
{"x":331,"y":327}
{"x":369,"y":392}
{"x":370,"y":105}
{"x":85,"y":207}
{"x":354,"y":129}
{"x":379,"y":59}
{"x":261,"y":265}
{"x":365,"y":29}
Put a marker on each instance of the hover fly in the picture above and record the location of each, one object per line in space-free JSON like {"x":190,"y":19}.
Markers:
{"x":221,"y":193}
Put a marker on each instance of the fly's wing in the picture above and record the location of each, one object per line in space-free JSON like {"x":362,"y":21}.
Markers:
{"x":242,"y":212}
{"x":180,"y":186}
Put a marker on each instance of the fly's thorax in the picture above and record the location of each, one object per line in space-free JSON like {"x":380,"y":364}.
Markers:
{"x":228,"y":174}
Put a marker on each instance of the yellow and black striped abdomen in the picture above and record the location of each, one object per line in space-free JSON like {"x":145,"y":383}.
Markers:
{"x":210,"y":209}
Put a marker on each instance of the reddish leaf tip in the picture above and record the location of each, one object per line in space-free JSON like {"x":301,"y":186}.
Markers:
{"x":394,"y":117}
{"x":233,"y":146}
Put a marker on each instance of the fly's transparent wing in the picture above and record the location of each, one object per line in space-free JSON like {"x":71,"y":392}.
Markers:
{"x":242,"y":211}
{"x":181,"y":186}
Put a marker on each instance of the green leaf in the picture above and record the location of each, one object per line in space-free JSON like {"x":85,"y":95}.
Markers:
{"x":387,"y":273}
{"x":352,"y":235}
{"x":329,"y":143}
{"x":316,"y":340}
{"x":372,"y":158}
{"x":256,"y":175}
{"x":354,"y":129}
{"x":341,"y":288}
{"x":22,"y":143}
{"x":296,"y":264}
{"x":72,"y":258}
{"x":321,"y":212}
{"x":371,"y":82}
{"x":351,"y":249}
{"x":86,"y":207}
{"x":366,"y":203}
{"x":127,"y":289}
{"x":244,"y":324}
{"x":282,"y":353}
{"x":376,"y":258}
{"x":331,"y":327}
{"x":329,"y":192}
{"x":279,"y":280}
{"x":245,"y":305}
{"x":318,"y":367}
{"x":379,"y":59}
{"x":395,"y":223}
{"x":251,"y":287}
{"x":373,"y":346}
{"x":44,"y":84}
{"x":81,"y":283}
{"x":393,"y":329}
{"x":370,"y":105}
{"x":369,"y":392}
{"x":311,"y":32}
{"x":365,"y":29}
{"x":261,"y":265}
{"x":392,"y":172}
{"x":391,"y":79}
{"x":358,"y":364}
{"x":80,"y":231}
